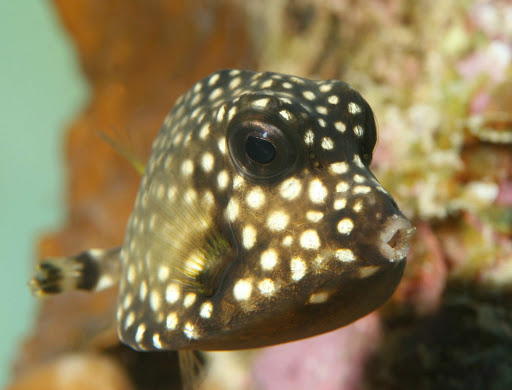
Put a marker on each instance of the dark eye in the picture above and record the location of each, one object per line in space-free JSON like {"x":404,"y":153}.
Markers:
{"x":369,"y":141}
{"x":260,"y":150}
{"x":261,"y":147}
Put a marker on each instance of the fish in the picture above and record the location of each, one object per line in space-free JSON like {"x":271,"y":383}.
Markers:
{"x":257,"y":222}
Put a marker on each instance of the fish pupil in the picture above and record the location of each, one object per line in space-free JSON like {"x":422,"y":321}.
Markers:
{"x":260,"y":150}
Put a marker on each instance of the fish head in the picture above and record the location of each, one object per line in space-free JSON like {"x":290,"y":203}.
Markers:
{"x":258,"y":220}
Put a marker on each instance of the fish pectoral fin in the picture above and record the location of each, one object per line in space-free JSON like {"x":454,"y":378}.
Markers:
{"x":91,"y":270}
{"x":124,"y":151}
{"x":192,"y":369}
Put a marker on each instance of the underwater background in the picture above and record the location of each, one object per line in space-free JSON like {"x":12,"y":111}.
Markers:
{"x":438,"y":77}
{"x":41,"y":89}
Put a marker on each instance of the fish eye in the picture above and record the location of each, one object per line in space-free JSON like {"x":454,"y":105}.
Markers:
{"x":262,"y":148}
{"x":370,"y":138}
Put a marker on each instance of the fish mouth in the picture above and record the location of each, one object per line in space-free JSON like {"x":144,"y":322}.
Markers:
{"x":394,"y":238}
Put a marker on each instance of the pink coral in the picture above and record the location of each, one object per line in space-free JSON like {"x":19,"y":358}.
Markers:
{"x":505,"y":194}
{"x":492,"y":61}
{"x":333,"y":361}
{"x":479,"y":102}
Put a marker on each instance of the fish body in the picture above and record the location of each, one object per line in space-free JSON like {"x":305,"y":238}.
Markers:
{"x":257,"y":222}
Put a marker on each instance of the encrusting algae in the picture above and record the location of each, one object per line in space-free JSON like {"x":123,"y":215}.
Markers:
{"x":257,"y":221}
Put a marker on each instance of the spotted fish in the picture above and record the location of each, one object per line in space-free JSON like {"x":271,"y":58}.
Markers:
{"x":257,"y":222}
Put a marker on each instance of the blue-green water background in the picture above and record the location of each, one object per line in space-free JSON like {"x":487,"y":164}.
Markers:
{"x":41,"y":89}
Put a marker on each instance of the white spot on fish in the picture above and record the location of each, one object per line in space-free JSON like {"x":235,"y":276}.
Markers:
{"x":308,"y":95}
{"x":267,"y":84}
{"x":290,"y":188}
{"x":232,"y":210}
{"x":354,"y":108}
{"x":357,"y":161}
{"x":339,"y":168}
{"x":222,"y":145}
{"x":314,"y":216}
{"x":221,"y":113}
{"x":309,"y":137}
{"x":310,"y":240}
{"x":319,"y":297}
{"x":222,"y":179}
{"x":358,"y":206}
{"x":333,"y":99}
{"x":345,"y":255}
{"x":260,"y":103}
{"x":340,"y":126}
{"x":242,"y":290}
{"x":172,"y":321}
{"x":187,"y":167}
{"x":345,"y":226}
{"x":317,"y":191}
{"x":358,"y":130}
{"x":256,"y":198}
{"x":156,"y":341}
{"x":139,"y":335}
{"x":287,"y":241}
{"x":206,"y":310}
{"x":130,"y":319}
{"x":131,"y":274}
{"x":155,"y":300}
{"x":212,"y":80}
{"x":248,"y":236}
{"x":342,"y":186}
{"x":361,"y":190}
{"x":238,"y":182}
{"x":277,"y":220}
{"x":298,"y":268}
{"x":127,"y":301}
{"x":232,"y":113}
{"x":215,"y":94}
{"x":321,"y":110}
{"x":172,"y":293}
{"x":190,"y":331}
{"x":189,"y":300}
{"x":327,"y":143}
{"x":235,"y":82}
{"x":143,"y":290}
{"x":268,"y":259}
{"x":285,"y":114}
{"x":365,"y":272}
{"x":266,"y":286}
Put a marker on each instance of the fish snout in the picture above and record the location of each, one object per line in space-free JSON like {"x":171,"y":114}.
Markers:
{"x":393,"y":240}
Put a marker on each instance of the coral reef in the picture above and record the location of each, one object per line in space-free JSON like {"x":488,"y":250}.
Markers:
{"x":438,"y":77}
